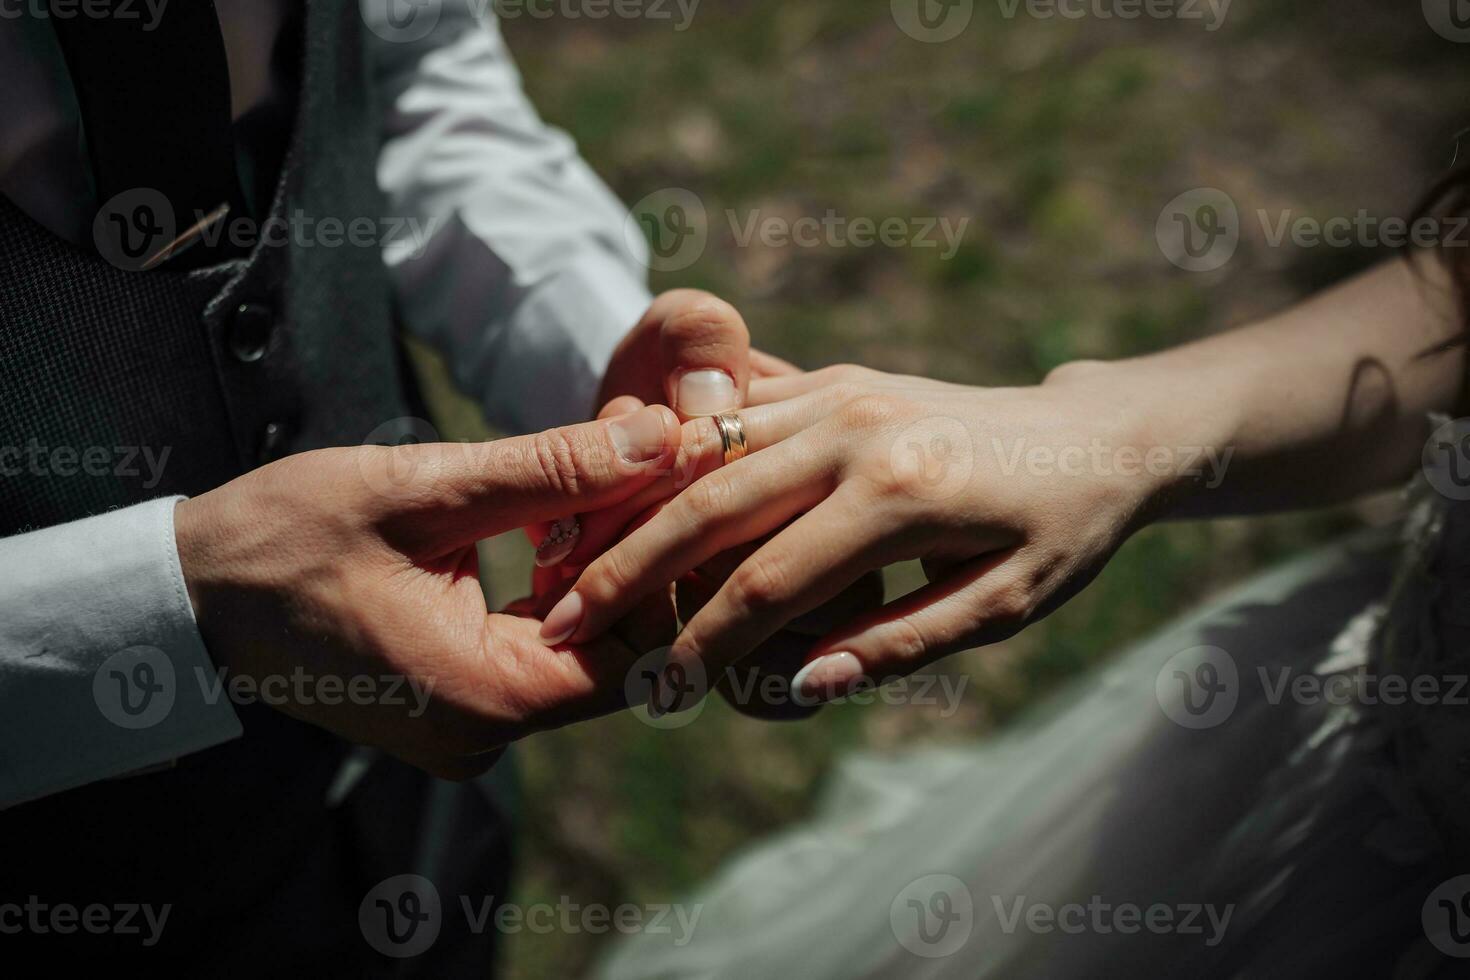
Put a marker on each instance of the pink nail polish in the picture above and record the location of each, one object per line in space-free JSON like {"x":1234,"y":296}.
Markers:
{"x":559,"y":542}
{"x":563,"y":620}
{"x":826,"y":678}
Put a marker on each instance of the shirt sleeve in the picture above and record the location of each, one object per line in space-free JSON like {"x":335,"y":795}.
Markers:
{"x":518,"y":268}
{"x":102,"y":669}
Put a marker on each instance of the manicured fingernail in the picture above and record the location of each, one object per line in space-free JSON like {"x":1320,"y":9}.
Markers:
{"x":559,"y":542}
{"x":706,"y":392}
{"x":563,"y":620}
{"x":639,"y":437}
{"x":827,"y":677}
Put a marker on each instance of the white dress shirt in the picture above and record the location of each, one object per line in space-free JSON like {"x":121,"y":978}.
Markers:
{"x":525,"y":283}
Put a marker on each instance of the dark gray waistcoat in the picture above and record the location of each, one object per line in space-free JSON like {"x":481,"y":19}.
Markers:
{"x":225,"y":368}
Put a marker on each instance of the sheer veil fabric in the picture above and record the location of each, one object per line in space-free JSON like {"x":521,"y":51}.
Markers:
{"x":1276,"y":831}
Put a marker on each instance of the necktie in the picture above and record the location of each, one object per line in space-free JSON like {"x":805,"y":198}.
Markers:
{"x":154,"y":94}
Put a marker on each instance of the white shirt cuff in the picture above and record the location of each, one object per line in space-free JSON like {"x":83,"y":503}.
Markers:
{"x":558,"y":342}
{"x":102,"y":669}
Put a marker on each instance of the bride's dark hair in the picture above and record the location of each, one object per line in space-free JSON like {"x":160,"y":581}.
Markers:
{"x":1449,"y":197}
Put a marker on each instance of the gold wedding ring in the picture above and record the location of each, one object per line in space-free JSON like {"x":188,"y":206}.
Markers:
{"x":732,"y":436}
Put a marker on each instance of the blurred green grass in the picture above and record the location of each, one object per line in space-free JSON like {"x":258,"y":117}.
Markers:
{"x":1061,"y":141}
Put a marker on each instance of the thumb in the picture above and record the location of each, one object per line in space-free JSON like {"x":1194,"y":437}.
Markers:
{"x":447,"y":495}
{"x":704,"y":348}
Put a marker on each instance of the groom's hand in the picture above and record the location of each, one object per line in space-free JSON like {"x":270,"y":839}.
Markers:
{"x":360,"y":563}
{"x":691,"y":351}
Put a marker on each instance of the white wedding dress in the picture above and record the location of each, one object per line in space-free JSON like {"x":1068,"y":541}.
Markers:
{"x":1285,"y":822}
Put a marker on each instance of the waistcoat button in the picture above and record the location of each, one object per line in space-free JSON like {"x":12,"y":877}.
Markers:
{"x":272,"y":443}
{"x":250,"y":331}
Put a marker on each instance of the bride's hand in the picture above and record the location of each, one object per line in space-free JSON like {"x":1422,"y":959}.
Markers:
{"x":1013,"y":498}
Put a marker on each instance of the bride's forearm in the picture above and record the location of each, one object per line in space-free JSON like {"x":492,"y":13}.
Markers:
{"x":1323,"y":402}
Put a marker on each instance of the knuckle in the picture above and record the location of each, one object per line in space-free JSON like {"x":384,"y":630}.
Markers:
{"x":707,"y":500}
{"x":906,"y":642}
{"x":845,"y":392}
{"x":558,"y":460}
{"x":853,"y":373}
{"x":870,"y":410}
{"x":609,"y":577}
{"x":843,"y":374}
{"x":703,"y":442}
{"x":1008,"y":607}
{"x":760,"y":583}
